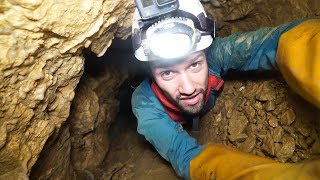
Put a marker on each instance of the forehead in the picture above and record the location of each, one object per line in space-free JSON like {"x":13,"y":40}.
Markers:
{"x":169,"y":63}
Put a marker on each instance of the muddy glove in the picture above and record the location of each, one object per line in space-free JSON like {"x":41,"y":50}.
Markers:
{"x":222,"y":162}
{"x":298,"y":58}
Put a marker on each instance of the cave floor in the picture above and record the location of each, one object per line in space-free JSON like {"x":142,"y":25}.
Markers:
{"x":131,"y":156}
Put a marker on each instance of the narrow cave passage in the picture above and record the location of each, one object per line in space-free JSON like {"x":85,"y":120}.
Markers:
{"x":64,"y":116}
{"x":255,"y":113}
{"x":129,"y":155}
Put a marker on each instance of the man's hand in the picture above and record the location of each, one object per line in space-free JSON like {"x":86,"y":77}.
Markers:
{"x":218,"y":161}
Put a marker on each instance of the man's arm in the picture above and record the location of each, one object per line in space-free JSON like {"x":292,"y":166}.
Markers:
{"x":168,"y":137}
{"x":246,"y":51}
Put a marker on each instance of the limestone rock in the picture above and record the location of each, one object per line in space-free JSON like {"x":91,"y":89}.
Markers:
{"x":288,"y":117}
{"x":287,"y":148}
{"x":266,"y":93}
{"x":273,"y":122}
{"x":287,"y":134}
{"x":41,"y":64}
{"x":269,"y":106}
{"x":93,"y":110}
{"x":248,"y":145}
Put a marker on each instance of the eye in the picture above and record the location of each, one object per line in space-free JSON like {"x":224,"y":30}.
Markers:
{"x":196,"y":66}
{"x":167,"y":75}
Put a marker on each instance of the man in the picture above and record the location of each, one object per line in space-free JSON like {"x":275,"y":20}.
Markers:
{"x":186,"y":77}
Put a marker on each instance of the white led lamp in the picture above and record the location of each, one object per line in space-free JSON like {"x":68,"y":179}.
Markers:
{"x":170,"y":38}
{"x":182,"y":32}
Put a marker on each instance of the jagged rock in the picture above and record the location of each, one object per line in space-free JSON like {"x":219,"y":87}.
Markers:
{"x":282,"y":107}
{"x":237,"y":124}
{"x":287,"y":149}
{"x":249,"y":111}
{"x":273,"y":122}
{"x":229,"y":107}
{"x":303,"y":130}
{"x":266,"y":93}
{"x":58,"y":163}
{"x":292,"y":140}
{"x":41,"y":64}
{"x":288,"y":117}
{"x":301,"y":142}
{"x":248,"y":145}
{"x":269,"y":106}
{"x":93,"y":110}
{"x":277,"y":133}
{"x":269,"y":145}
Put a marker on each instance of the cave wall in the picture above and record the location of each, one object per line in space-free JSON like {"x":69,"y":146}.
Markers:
{"x":82,"y":143}
{"x":262,"y":115}
{"x":248,"y":15}
{"x":41,"y":64}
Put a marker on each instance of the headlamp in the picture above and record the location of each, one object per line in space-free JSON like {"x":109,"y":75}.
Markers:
{"x":170,"y":29}
{"x":154,"y":8}
{"x":171,"y":38}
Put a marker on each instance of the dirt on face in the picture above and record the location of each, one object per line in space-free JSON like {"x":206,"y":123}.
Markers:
{"x":266,"y":118}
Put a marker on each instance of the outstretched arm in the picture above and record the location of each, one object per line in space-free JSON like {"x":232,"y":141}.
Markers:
{"x":246,"y":51}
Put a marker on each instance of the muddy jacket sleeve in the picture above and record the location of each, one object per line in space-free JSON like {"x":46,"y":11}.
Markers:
{"x":247,"y":51}
{"x":168,"y":137}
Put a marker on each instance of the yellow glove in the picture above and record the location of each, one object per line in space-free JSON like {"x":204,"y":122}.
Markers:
{"x":221,"y":162}
{"x":298,"y":58}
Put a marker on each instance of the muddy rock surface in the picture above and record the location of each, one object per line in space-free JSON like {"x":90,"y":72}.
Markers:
{"x":131,"y":156}
{"x":264,"y":117}
{"x":247,"y":15}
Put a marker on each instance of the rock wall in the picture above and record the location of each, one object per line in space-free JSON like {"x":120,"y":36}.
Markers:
{"x":262,"y":116}
{"x":41,"y":63}
{"x":266,"y":118}
{"x":247,"y":15}
{"x":82,"y":143}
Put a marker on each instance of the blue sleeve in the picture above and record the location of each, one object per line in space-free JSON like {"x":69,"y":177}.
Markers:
{"x":168,"y":137}
{"x":246,"y":51}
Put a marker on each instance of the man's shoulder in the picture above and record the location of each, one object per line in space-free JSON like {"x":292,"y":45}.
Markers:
{"x":143,"y":93}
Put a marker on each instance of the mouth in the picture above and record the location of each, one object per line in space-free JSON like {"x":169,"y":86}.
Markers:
{"x":192,"y":100}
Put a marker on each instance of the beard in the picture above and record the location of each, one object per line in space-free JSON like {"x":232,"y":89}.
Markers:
{"x":191,"y":110}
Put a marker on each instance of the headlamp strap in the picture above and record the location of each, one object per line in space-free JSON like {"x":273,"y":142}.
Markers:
{"x":201,"y":22}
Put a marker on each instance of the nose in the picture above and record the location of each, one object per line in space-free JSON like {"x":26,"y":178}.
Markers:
{"x":186,"y":86}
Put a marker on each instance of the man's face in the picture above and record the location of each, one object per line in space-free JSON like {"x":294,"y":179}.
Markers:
{"x":183,"y":82}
